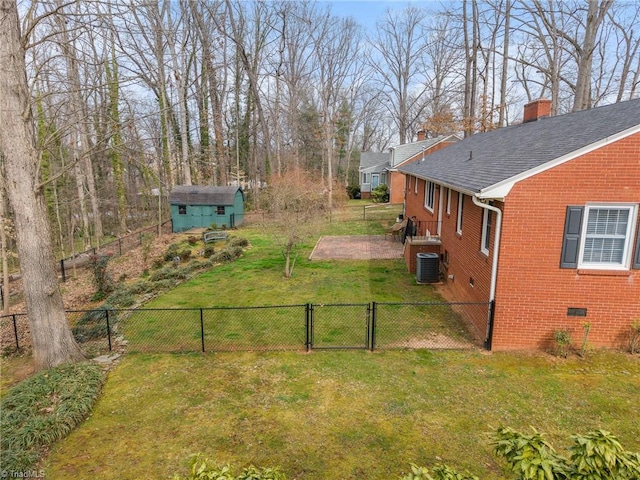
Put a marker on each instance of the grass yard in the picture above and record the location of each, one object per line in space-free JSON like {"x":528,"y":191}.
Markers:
{"x":341,"y":414}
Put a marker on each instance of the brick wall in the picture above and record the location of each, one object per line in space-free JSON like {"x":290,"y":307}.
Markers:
{"x":468,"y":271}
{"x":533,"y":293}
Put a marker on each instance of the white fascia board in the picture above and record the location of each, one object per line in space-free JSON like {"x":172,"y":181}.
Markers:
{"x":501,"y":189}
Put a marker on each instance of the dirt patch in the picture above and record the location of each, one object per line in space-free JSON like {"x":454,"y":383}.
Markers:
{"x":434,"y":341}
{"x":357,"y":247}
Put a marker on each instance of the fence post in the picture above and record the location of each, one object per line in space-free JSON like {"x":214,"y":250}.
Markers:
{"x":202,"y":329}
{"x":15,"y":332}
{"x":64,"y":276}
{"x":120,"y":246}
{"x":374,"y":310}
{"x":106,"y":314}
{"x":306,"y":326}
{"x":364,"y":212}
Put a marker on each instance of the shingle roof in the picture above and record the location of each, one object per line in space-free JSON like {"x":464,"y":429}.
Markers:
{"x":486,"y":159}
{"x":374,"y":162}
{"x":402,"y":153}
{"x":199,"y":195}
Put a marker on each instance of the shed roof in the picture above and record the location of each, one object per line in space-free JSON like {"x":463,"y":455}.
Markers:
{"x":202,"y":195}
{"x":488,"y":164}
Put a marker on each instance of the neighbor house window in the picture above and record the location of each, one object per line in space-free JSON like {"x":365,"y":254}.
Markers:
{"x":429,"y":195}
{"x":448,"y":201}
{"x":182,"y":209}
{"x":606,"y":236}
{"x":460,"y":213}
{"x":220,"y":210}
{"x":486,"y":231}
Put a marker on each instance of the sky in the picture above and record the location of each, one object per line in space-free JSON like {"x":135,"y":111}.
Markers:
{"x":366,"y":12}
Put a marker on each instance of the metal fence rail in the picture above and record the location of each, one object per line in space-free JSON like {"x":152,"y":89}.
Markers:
{"x":371,"y":326}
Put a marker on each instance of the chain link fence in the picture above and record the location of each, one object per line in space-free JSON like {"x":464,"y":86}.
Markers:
{"x":372,"y":326}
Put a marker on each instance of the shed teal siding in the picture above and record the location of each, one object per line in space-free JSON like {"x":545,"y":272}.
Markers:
{"x":199,"y":208}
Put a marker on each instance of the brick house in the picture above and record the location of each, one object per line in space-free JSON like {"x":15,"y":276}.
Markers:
{"x":542,"y":220}
{"x":383,"y":168}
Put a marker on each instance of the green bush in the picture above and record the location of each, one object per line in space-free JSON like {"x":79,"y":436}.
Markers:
{"x":92,"y":325}
{"x":380,"y":194}
{"x":203,"y":468}
{"x":122,"y":297}
{"x":169,"y":272}
{"x":43,"y":409}
{"x":209,"y":250}
{"x":353,"y":191}
{"x":597,"y":455}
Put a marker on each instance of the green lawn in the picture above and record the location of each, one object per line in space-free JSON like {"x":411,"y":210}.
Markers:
{"x":332,"y":414}
{"x":341,"y":414}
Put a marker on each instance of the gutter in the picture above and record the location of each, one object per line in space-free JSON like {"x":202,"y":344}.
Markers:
{"x":494,"y":266}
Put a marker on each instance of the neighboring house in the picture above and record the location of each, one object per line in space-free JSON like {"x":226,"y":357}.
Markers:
{"x":382,"y":168}
{"x":200,"y":207}
{"x":542,"y":220}
{"x":373,"y":171}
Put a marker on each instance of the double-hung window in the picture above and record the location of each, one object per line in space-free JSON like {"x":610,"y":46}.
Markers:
{"x":607,"y":236}
{"x":429,"y":195}
{"x":486,"y":230}
{"x":599,"y":236}
{"x":460,"y":213}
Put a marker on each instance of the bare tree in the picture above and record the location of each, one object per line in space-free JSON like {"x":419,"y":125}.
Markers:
{"x":52,"y":340}
{"x":399,"y":45}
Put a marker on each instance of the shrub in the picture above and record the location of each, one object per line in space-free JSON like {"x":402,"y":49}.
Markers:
{"x":169,"y":272}
{"x":92,"y":325}
{"x":122,"y":297}
{"x":157,"y":263}
{"x":43,"y":409}
{"x":380,"y":194}
{"x":101,"y":278}
{"x":171,"y":252}
{"x":227,"y":254}
{"x":353,"y":191}
{"x":597,"y":455}
{"x":238,"y":242}
{"x":193,"y":240}
{"x":563,"y":340}
{"x":209,"y":250}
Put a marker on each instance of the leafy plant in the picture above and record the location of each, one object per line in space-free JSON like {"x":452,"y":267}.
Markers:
{"x":380,"y":194}
{"x":92,"y":325}
{"x":101,"y":278}
{"x":171,"y":252}
{"x":43,"y":409}
{"x":563,"y":340}
{"x":204,"y":469}
{"x":530,"y":457}
{"x":440,"y":472}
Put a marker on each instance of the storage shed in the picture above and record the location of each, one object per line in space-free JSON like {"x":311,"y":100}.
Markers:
{"x":201,"y":206}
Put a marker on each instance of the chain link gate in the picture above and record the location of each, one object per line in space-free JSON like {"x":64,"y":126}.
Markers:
{"x":338,"y":326}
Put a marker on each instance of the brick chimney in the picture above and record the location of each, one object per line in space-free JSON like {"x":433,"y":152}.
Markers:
{"x":536,"y":110}
{"x":422,"y":135}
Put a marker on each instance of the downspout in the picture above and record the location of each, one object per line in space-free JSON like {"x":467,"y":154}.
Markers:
{"x":494,"y":267}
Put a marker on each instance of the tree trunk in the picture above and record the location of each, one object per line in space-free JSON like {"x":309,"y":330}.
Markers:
{"x":52,"y":340}
{"x":3,"y":246}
